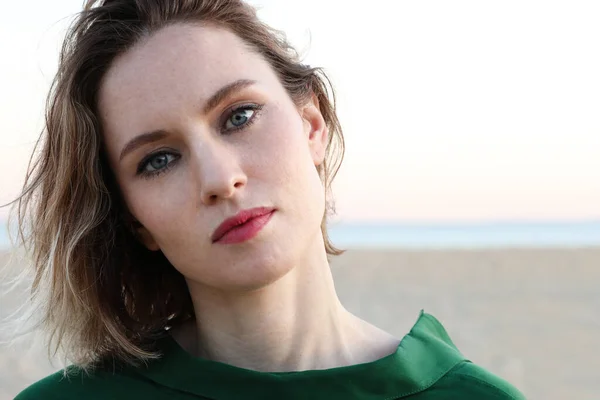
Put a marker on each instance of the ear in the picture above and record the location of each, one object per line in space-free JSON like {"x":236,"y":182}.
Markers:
{"x":146,"y":238}
{"x":142,"y":234}
{"x":315,"y":129}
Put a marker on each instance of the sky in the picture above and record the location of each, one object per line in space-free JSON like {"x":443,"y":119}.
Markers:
{"x":452,"y":111}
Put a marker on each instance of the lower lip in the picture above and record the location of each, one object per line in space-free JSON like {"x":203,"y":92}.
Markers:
{"x":246,"y":231}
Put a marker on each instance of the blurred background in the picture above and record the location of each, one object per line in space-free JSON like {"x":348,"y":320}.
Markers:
{"x":470,"y":186}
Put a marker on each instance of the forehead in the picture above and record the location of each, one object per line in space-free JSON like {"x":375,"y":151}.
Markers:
{"x":181,"y":51}
{"x":176,"y":67}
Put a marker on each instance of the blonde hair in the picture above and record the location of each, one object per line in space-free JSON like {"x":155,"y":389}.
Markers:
{"x":101,"y":293}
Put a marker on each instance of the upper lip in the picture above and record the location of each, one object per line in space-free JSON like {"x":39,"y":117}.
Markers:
{"x":238,"y":219}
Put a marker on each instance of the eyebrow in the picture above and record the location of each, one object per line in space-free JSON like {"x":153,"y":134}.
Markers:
{"x":140,"y":140}
{"x":213,"y":102}
{"x":225,"y":92}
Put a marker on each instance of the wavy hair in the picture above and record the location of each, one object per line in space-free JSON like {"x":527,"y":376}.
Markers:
{"x":100,"y":292}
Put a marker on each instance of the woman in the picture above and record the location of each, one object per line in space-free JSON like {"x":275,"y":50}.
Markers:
{"x":178,"y":214}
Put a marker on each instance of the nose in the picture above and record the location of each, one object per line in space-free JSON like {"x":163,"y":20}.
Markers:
{"x":219,"y":174}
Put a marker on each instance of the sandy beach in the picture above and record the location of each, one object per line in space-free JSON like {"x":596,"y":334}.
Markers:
{"x":530,"y":316}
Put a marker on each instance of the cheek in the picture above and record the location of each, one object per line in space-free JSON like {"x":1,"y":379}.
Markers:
{"x":158,"y":203}
{"x":284,"y":145}
{"x":290,"y":165}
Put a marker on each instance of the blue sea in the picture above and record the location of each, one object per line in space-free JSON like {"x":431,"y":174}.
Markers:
{"x":467,"y":235}
{"x":452,"y":236}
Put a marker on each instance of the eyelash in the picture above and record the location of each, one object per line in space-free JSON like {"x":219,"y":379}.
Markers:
{"x":254,"y":107}
{"x":152,"y":174}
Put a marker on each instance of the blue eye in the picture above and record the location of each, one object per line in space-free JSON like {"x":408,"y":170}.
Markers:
{"x":241,"y":117}
{"x":156,"y":164}
{"x":159,"y":162}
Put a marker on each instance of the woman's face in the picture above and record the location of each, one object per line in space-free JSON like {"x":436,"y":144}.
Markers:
{"x":221,"y":135}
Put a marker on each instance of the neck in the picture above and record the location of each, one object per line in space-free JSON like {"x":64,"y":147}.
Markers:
{"x":296,"y":323}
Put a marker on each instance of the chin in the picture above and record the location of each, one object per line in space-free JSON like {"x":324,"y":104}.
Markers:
{"x":259,"y":270}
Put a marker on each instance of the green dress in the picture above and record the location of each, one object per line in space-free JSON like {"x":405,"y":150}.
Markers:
{"x":426,"y":366}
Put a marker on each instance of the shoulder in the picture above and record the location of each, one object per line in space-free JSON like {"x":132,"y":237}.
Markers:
{"x":74,"y":383}
{"x":59,"y":385}
{"x":470,"y":381}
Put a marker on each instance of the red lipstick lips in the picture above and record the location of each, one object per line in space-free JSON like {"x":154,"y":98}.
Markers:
{"x":243,"y":226}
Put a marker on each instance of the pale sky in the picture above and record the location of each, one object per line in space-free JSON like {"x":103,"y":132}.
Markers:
{"x":452,"y":110}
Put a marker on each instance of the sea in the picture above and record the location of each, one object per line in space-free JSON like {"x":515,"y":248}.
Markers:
{"x":383,"y":235}
{"x":467,"y":235}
